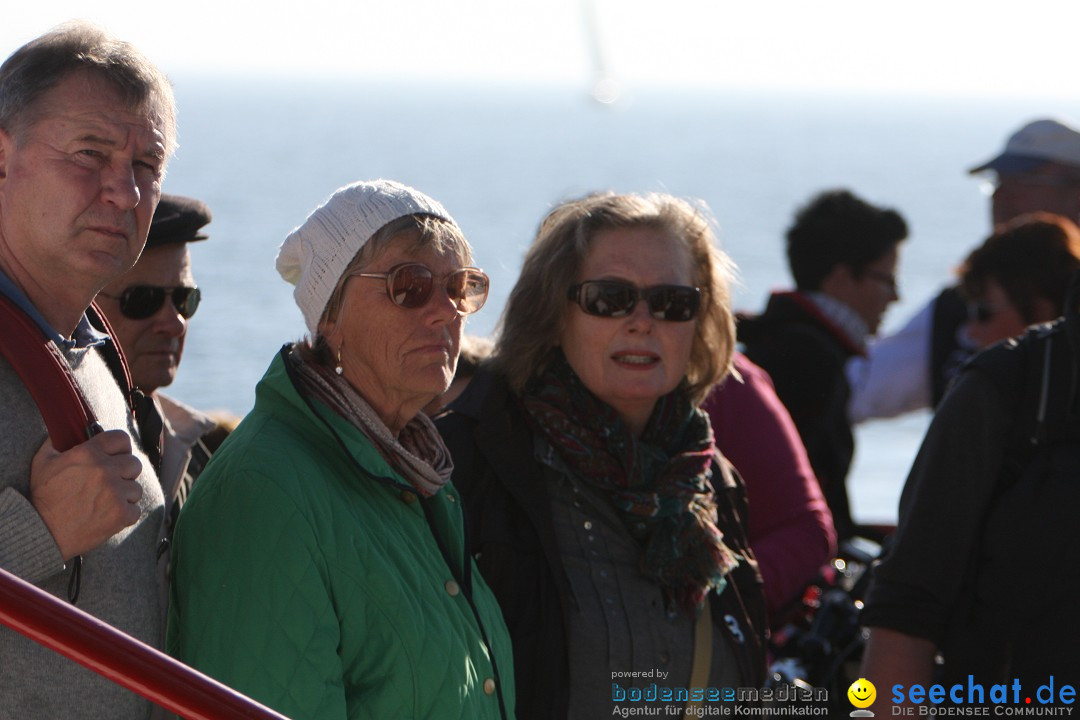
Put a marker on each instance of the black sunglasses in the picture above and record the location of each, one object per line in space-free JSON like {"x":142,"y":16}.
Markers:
{"x":887,"y":279}
{"x":139,"y":302}
{"x":409,"y":286}
{"x":611,"y":298}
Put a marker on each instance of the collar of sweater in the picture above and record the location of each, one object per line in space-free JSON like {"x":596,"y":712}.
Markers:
{"x":845,"y":318}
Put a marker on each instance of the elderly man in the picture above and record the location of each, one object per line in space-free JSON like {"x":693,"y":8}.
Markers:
{"x":87,"y":125}
{"x":149,"y":308}
{"x":1038,"y":170}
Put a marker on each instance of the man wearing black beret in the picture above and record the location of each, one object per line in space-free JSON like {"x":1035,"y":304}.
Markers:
{"x":149,"y":308}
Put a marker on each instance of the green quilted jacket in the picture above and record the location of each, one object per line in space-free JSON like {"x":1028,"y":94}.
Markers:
{"x":320,"y":589}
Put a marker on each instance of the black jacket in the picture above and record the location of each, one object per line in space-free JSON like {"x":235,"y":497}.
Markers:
{"x":806,"y":354}
{"x":983,"y":562}
{"x":509,"y":529}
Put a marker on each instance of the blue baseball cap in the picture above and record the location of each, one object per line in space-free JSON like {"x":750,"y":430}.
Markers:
{"x":1035,"y":144}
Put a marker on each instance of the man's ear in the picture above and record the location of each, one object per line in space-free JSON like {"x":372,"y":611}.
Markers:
{"x":7,"y":145}
{"x":838,"y":281}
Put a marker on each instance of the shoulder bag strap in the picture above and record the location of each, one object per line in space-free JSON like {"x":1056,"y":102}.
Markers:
{"x":144,"y":410}
{"x":47,"y":377}
{"x":699,"y":671}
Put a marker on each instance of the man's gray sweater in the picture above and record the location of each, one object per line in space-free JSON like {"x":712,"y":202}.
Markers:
{"x":119,"y":583}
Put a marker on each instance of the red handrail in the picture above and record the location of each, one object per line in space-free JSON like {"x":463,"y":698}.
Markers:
{"x":120,"y":657}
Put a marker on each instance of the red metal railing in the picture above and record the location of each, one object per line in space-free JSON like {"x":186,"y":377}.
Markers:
{"x":120,"y":657}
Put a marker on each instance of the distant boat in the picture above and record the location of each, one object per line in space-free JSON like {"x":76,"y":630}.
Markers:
{"x":606,"y":88}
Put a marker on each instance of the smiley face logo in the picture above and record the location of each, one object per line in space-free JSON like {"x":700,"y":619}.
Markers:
{"x":862,"y":693}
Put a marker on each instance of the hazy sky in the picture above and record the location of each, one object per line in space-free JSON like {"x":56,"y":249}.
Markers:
{"x":922,"y":46}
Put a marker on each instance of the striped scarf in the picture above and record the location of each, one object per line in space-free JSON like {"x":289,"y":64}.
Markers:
{"x":658,"y":483}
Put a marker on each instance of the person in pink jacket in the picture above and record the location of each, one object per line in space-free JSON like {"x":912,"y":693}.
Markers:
{"x":790,"y":526}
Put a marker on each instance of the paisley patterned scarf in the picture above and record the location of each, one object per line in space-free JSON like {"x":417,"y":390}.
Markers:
{"x":658,"y":483}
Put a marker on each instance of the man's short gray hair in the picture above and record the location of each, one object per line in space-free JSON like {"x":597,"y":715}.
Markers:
{"x":42,"y":63}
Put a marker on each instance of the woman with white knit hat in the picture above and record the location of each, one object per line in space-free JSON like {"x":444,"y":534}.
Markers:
{"x":319,"y":564}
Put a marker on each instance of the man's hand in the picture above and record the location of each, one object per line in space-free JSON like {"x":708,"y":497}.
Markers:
{"x":87,"y":494}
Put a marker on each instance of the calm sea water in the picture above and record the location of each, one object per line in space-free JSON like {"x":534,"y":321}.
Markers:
{"x":263,"y":155}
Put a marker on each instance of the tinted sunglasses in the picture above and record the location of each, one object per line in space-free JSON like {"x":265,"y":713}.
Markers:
{"x":410,"y":285}
{"x":139,"y":302}
{"x":611,"y":298}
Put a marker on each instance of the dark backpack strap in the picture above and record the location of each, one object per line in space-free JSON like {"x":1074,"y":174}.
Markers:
{"x":47,"y":376}
{"x":143,"y":408}
{"x":113,"y":354}
{"x":1022,"y":370}
{"x":1047,"y":411}
{"x":1044,"y":390}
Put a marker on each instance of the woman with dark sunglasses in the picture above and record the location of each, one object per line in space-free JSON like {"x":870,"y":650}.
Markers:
{"x":320,"y":564}
{"x":1019,"y":276}
{"x":601,"y":514}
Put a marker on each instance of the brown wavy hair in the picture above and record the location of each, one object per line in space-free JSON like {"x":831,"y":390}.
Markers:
{"x":535,"y":313}
{"x":1032,"y":256}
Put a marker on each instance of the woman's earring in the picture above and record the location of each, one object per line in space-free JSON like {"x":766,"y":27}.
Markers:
{"x":337,"y":368}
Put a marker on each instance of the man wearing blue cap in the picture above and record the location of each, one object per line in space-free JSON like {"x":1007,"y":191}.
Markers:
{"x":149,"y":308}
{"x":1038,"y":170}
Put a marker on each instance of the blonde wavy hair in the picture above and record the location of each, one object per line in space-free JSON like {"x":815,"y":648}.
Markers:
{"x":533,"y":319}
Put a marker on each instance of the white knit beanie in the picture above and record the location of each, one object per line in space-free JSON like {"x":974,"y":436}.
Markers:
{"x":315,"y":255}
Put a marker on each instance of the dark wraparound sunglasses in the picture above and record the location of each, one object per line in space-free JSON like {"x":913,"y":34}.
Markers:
{"x":611,"y":298}
{"x":139,"y":302}
{"x":409,"y":286}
